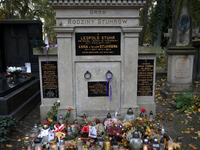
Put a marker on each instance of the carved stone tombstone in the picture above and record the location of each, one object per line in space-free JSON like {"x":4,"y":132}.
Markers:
{"x":181,"y":53}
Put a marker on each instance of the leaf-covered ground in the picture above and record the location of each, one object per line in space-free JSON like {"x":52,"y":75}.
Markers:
{"x":185,"y":125}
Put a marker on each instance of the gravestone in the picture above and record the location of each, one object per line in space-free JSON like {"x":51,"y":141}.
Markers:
{"x":180,"y":53}
{"x":16,"y":44}
{"x":98,"y":60}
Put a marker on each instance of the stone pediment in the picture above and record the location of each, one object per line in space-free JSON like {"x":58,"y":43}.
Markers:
{"x":97,"y":3}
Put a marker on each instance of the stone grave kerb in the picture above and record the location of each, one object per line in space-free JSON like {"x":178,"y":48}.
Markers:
{"x":97,"y":16}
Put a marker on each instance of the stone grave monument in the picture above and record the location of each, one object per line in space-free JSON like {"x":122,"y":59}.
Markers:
{"x":97,"y":67}
{"x":180,"y":53}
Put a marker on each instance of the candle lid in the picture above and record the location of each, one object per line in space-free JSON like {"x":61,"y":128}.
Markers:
{"x":92,"y":141}
{"x":79,"y":140}
{"x":100,"y":139}
{"x":151,"y":113}
{"x":136,"y":134}
{"x":130,"y":111}
{"x":162,"y":140}
{"x":60,"y":117}
{"x":45,"y":126}
{"x":109,"y":115}
{"x":146,"y":141}
{"x":141,"y":115}
{"x":26,"y":139}
{"x":155,"y":141}
{"x":52,"y":142}
{"x":37,"y":140}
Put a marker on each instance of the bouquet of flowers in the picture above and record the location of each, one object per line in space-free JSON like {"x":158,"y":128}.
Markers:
{"x":114,"y":127}
{"x":14,"y":70}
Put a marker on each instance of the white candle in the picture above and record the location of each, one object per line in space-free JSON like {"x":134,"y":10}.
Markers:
{"x":145,"y":147}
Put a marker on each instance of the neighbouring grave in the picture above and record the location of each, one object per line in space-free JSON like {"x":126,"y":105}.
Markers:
{"x":16,"y":44}
{"x":180,"y":53}
{"x":100,"y":67}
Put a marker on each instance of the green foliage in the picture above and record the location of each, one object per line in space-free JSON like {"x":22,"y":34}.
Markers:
{"x":53,"y":111}
{"x":3,"y":13}
{"x":161,"y":60}
{"x":187,"y":102}
{"x":68,"y":137}
{"x":40,"y":46}
{"x":7,"y":126}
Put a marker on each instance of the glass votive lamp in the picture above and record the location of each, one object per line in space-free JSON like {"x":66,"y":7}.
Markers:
{"x":27,"y":143}
{"x":145,"y":144}
{"x":62,"y":144}
{"x":35,"y":129}
{"x":121,"y":147}
{"x":151,"y":116}
{"x":162,"y":144}
{"x":170,"y":145}
{"x":60,"y":119}
{"x":129,"y":116}
{"x":53,"y":145}
{"x":38,"y":143}
{"x":100,"y":140}
{"x":79,"y":143}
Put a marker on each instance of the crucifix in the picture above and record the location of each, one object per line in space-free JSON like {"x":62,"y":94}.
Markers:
{"x":169,"y":35}
{"x":16,"y":36}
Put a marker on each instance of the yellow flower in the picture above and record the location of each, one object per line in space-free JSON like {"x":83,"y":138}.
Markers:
{"x":193,"y":106}
{"x":199,"y":110}
{"x":50,"y":120}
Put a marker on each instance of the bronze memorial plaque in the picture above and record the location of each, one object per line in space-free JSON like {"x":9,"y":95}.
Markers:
{"x":97,"y":88}
{"x":145,"y":77}
{"x":98,"y":43}
{"x":49,"y":79}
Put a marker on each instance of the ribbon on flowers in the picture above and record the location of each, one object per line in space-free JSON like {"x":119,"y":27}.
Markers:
{"x":108,"y":82}
{"x":47,"y":48}
{"x":58,"y":128}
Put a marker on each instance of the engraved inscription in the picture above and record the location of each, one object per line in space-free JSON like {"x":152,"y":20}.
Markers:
{"x":97,"y":12}
{"x":97,"y":89}
{"x":96,"y":21}
{"x":49,"y":79}
{"x":145,"y":77}
{"x":98,"y":43}
{"x":182,"y":67}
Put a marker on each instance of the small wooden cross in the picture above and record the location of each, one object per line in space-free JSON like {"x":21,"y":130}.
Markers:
{"x":195,"y":34}
{"x":169,"y":35}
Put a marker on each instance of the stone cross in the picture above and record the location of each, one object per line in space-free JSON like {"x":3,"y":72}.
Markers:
{"x":195,"y":34}
{"x":169,"y":35}
{"x":16,"y":36}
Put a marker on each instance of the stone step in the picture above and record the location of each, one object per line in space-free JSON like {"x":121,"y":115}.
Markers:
{"x":20,"y":101}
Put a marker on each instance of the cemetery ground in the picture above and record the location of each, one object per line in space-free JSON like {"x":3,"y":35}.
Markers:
{"x":185,"y":124}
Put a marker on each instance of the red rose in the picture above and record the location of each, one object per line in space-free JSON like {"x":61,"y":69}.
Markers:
{"x":85,"y":129}
{"x":143,"y":110}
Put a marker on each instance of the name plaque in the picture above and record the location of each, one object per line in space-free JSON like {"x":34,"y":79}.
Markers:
{"x":49,"y":79}
{"x":97,"y":89}
{"x":145,"y":77}
{"x":98,"y":43}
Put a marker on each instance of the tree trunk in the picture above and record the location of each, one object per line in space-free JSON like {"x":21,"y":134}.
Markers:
{"x":145,"y":19}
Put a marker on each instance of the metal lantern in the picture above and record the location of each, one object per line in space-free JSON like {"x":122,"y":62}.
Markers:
{"x":60,"y":119}
{"x":135,"y":142}
{"x":129,"y":116}
{"x":27,"y":143}
{"x":62,"y":144}
{"x":145,"y":144}
{"x":151,"y":116}
{"x":162,"y":144}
